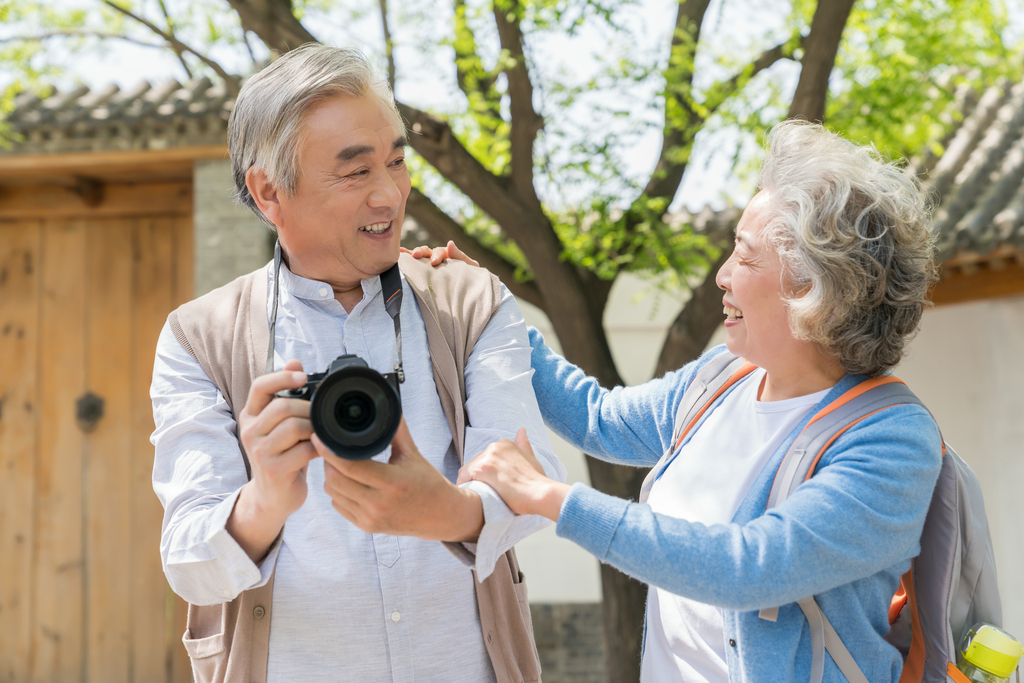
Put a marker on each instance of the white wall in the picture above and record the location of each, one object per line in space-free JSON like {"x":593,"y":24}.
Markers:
{"x":967,"y":364}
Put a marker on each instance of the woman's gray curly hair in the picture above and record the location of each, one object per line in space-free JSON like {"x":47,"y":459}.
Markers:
{"x":852,"y":232}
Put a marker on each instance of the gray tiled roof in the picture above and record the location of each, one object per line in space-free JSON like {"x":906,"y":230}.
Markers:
{"x":144,"y":117}
{"x":978,"y":181}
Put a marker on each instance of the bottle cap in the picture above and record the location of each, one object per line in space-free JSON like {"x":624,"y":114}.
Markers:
{"x":992,"y":649}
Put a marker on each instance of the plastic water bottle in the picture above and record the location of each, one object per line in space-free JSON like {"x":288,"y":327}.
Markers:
{"x":988,"y":654}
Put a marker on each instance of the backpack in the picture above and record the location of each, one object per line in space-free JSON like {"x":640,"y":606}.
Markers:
{"x":950,"y":585}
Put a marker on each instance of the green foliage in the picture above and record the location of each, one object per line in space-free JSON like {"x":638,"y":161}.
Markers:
{"x":904,"y":62}
{"x":899,"y":70}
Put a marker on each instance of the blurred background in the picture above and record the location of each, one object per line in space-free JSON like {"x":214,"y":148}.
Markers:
{"x":606,"y":144}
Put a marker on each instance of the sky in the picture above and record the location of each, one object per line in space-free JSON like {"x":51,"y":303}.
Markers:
{"x":428,"y":83}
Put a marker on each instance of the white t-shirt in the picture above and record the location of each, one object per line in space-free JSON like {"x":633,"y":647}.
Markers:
{"x":706,"y":483}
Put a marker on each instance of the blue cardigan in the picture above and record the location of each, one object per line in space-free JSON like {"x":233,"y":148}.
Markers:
{"x":846,"y":536}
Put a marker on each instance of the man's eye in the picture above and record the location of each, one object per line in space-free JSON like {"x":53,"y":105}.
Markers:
{"x":398,"y":162}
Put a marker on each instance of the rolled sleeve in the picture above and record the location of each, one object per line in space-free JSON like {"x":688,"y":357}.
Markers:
{"x":500,"y":400}
{"x":198,"y":472}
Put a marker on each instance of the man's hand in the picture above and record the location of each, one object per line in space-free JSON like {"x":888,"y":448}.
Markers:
{"x":438,"y":255}
{"x":511,"y":469}
{"x":406,"y":496}
{"x":275,"y":433}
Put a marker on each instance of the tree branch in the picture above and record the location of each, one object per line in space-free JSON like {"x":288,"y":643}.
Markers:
{"x":59,"y":33}
{"x":388,"y":45}
{"x":690,"y":332}
{"x":443,"y":228}
{"x":434,"y":140}
{"x":273,"y":22}
{"x":170,"y":29}
{"x":820,"y":50}
{"x":723,"y":91}
{"x":525,"y":121}
{"x":668,"y":172}
{"x":476,"y":83}
{"x":176,"y":44}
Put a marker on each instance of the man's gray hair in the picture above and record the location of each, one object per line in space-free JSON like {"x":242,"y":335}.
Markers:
{"x":852,"y":232}
{"x":269,"y":111}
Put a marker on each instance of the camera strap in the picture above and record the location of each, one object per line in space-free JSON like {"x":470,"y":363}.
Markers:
{"x":391,"y":288}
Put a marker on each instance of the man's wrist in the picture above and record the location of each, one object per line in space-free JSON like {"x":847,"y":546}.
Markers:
{"x":253,"y":525}
{"x":468,"y":517}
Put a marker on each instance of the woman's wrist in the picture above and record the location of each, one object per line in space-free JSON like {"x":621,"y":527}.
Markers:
{"x":549,"y":502}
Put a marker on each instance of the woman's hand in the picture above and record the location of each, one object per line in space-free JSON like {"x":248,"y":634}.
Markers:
{"x":437,"y":255}
{"x":511,"y":469}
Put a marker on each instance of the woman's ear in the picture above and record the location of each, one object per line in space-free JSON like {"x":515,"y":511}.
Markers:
{"x":265,"y":194}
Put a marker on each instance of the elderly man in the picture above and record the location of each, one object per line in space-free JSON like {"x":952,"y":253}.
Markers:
{"x":299,"y":565}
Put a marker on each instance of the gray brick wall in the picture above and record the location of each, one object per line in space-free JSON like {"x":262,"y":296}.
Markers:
{"x":229,"y":239}
{"x":570,"y":642}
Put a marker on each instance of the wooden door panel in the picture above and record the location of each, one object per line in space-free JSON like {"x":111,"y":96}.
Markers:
{"x":19,"y":333}
{"x":108,"y":480}
{"x":58,"y":646}
{"x":152,"y":281}
{"x":83,"y":298}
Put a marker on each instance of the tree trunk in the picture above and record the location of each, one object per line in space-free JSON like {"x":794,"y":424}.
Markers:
{"x":820,"y":50}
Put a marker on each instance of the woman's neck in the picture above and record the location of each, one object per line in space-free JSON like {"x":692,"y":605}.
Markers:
{"x":800,"y":375}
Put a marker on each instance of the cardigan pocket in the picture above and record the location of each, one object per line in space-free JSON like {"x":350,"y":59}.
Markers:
{"x":208,"y":655}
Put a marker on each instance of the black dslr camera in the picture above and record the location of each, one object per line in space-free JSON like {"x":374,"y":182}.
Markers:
{"x":355,"y":410}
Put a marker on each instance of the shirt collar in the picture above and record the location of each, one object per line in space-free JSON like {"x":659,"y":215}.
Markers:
{"x":314,"y":290}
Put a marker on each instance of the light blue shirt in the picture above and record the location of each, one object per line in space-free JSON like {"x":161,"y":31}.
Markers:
{"x":348,"y":606}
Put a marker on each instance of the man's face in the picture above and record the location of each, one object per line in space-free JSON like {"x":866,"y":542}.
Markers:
{"x":343,"y":223}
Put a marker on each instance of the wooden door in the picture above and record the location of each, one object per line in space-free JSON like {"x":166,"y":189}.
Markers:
{"x":85,"y":287}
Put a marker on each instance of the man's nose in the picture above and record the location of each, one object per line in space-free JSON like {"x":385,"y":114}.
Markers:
{"x":385,"y":192}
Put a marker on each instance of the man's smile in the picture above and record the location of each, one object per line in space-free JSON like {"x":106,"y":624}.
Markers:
{"x":376,"y":228}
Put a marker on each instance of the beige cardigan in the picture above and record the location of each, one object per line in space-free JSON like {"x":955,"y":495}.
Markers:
{"x":226,"y":331}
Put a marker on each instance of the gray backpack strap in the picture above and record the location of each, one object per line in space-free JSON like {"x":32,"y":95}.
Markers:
{"x":798,"y":465}
{"x":708,"y":385}
{"x":827,"y":425}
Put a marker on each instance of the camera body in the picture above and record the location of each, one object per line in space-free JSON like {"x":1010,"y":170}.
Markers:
{"x":355,"y":410}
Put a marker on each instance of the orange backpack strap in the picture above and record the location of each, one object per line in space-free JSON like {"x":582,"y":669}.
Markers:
{"x":820,"y":432}
{"x":710,"y":383}
{"x":831,"y":422}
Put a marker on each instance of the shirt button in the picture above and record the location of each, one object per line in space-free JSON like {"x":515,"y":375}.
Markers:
{"x":396,"y":617}
{"x":732,"y":643}
{"x":259,"y":612}
{"x":324,"y":292}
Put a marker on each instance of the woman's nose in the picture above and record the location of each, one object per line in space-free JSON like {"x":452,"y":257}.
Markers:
{"x":723,"y":277}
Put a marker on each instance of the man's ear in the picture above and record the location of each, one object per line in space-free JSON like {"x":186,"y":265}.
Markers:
{"x":265,"y":194}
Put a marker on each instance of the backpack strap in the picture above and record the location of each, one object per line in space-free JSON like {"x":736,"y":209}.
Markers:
{"x":820,"y":432}
{"x":711,"y":382}
{"x":828,"y":424}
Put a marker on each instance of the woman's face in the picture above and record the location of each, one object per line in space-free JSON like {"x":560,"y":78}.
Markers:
{"x":756,"y":324}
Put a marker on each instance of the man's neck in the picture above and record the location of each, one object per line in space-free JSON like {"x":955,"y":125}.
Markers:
{"x":349,"y":297}
{"x":347,"y":292}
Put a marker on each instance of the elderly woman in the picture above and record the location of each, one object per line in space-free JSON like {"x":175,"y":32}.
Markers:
{"x":827,"y":282}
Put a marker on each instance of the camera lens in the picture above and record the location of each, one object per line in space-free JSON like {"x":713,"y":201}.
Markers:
{"x":355,"y":412}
